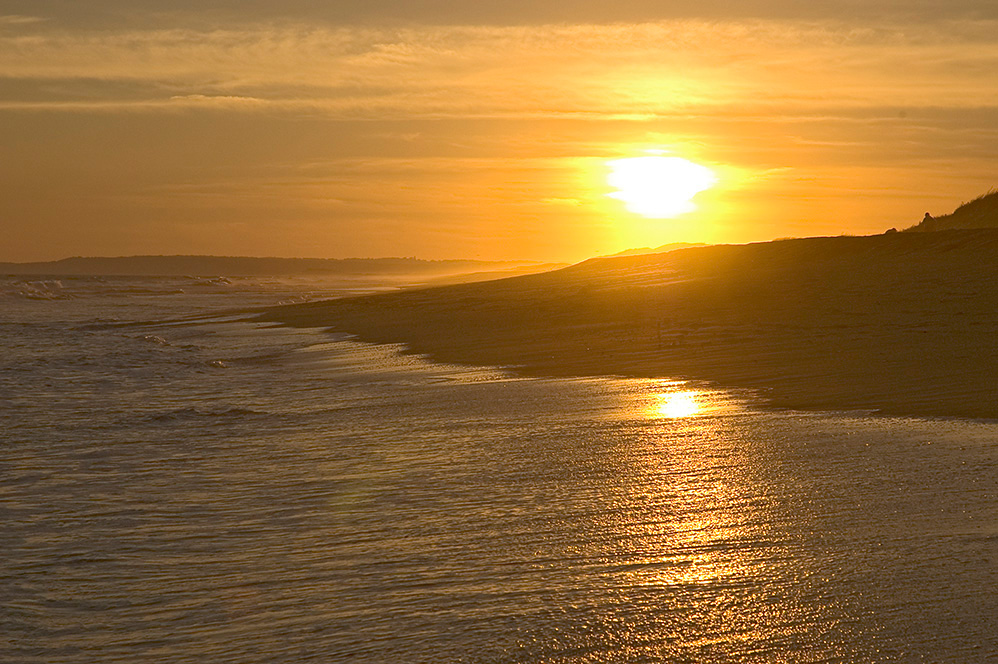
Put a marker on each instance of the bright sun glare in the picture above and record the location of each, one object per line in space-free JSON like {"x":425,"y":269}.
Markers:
{"x":658,"y":187}
{"x":677,"y":404}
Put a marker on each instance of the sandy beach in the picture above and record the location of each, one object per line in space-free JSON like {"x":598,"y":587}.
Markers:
{"x":901,"y":323}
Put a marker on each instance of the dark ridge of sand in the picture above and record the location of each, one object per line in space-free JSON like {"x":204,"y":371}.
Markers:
{"x":898,"y":323}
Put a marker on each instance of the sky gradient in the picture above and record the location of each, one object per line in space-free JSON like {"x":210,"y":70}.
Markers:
{"x":447,"y":130}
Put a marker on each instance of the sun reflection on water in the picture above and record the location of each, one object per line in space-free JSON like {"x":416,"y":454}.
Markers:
{"x":677,"y":405}
{"x":700,"y":544}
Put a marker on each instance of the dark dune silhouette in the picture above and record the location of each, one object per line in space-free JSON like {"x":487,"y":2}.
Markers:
{"x":901,"y":323}
{"x":982,"y":212}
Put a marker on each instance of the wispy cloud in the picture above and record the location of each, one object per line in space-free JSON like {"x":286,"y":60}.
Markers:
{"x":18,"y":19}
{"x":640,"y":70}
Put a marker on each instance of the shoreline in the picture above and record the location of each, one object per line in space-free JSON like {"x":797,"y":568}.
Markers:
{"x":899,"y":324}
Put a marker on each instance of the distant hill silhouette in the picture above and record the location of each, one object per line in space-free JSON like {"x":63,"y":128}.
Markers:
{"x":640,"y":251}
{"x":243,"y":266}
{"x":982,"y":212}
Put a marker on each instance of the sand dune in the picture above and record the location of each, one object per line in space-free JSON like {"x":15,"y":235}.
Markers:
{"x":899,"y":323}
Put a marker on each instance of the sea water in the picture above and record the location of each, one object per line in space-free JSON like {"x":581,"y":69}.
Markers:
{"x":178,"y":485}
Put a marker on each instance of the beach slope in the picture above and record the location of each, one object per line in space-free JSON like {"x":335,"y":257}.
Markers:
{"x":898,"y":323}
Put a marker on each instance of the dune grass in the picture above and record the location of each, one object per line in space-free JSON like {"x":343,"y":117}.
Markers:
{"x":981,"y":212}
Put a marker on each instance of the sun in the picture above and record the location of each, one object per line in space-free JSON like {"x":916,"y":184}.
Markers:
{"x":658,"y":187}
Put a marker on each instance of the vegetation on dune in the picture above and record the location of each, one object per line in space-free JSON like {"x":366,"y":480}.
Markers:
{"x":982,"y":212}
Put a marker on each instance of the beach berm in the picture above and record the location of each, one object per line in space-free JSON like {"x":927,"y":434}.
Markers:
{"x":901,"y":323}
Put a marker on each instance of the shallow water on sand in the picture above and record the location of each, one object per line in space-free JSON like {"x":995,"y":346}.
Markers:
{"x":218,"y":491}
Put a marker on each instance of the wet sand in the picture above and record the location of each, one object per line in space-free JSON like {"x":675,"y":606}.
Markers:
{"x":902,"y":323}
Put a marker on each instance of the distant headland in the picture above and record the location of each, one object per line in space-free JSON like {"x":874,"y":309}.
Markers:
{"x":238,"y":266}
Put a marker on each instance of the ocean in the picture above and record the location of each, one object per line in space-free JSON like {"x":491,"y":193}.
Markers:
{"x":179,"y":484}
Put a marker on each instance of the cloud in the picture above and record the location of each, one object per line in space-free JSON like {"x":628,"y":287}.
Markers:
{"x":109,"y":13}
{"x":18,"y":19}
{"x":630,"y":71}
{"x":227,"y":101}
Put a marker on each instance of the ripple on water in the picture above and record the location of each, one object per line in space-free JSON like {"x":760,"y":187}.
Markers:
{"x":331,"y":501}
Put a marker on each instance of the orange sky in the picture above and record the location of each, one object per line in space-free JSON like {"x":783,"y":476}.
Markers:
{"x":442,"y":130}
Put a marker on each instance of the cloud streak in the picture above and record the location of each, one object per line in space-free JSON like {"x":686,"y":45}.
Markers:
{"x":641,"y":70}
{"x":19,"y":19}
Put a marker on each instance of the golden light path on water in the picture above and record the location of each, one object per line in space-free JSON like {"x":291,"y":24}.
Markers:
{"x":698,"y":536}
{"x":677,"y":404}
